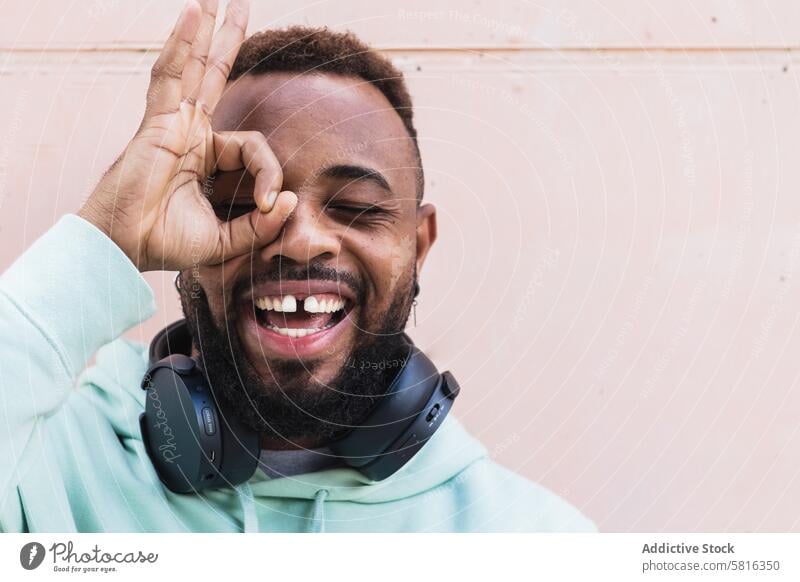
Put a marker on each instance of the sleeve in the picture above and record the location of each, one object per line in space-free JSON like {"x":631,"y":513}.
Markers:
{"x":69,"y":294}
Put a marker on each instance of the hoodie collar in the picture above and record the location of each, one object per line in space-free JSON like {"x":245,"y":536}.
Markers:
{"x":449,"y":451}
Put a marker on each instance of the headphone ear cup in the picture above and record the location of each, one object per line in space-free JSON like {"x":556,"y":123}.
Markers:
{"x":241,"y":447}
{"x":179,"y":448}
{"x":190,"y":442}
{"x":409,"y":413}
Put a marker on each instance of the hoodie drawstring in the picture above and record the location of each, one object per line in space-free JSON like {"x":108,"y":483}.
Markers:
{"x":317,"y":524}
{"x":249,"y":517}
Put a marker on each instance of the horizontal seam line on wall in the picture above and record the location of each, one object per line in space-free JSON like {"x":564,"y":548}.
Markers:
{"x":146,"y":47}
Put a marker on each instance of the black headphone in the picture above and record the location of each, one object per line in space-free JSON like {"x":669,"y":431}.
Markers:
{"x":193,"y":445}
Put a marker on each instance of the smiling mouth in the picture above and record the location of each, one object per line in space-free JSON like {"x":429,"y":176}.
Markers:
{"x":298,"y":316}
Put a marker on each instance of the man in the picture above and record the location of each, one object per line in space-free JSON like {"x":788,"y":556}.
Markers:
{"x":281,"y":177}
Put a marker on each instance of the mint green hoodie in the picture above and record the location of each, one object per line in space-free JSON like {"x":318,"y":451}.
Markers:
{"x":72,"y":459}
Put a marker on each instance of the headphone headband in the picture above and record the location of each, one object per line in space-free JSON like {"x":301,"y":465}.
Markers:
{"x":173,"y":339}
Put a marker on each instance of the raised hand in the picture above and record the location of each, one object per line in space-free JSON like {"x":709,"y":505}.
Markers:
{"x":151,"y":202}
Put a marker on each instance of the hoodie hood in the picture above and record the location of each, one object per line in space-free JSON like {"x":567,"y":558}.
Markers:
{"x":449,"y":451}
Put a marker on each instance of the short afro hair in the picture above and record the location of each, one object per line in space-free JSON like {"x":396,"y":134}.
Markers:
{"x":318,"y":49}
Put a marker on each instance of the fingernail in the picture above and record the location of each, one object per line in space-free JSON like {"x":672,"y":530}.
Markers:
{"x":291,"y":200}
{"x":271,"y":198}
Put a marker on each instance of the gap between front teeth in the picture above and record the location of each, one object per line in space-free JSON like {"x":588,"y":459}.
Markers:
{"x":288,"y":304}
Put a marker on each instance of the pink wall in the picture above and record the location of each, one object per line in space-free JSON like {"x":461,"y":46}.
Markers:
{"x":617,"y":185}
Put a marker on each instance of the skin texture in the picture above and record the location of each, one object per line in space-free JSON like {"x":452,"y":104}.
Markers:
{"x":373,"y":237}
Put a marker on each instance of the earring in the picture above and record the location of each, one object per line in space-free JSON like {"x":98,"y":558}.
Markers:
{"x":178,"y":282}
{"x":414,"y":302}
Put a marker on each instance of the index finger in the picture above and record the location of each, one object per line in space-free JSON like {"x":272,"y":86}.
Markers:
{"x":223,"y":53}
{"x":234,"y":150}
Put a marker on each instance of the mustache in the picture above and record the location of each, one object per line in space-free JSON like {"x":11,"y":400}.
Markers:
{"x":288,"y":270}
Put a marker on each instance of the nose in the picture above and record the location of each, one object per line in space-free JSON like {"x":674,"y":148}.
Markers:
{"x":305,"y":237}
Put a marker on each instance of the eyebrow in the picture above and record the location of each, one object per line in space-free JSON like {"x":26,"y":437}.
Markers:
{"x":351,"y":172}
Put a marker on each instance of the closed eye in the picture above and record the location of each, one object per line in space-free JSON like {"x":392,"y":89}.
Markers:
{"x":355,"y":209}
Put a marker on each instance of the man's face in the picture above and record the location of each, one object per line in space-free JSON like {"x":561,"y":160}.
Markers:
{"x":311,"y":322}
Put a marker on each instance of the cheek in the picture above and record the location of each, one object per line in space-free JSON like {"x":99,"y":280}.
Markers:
{"x":387,"y":260}
{"x":402,"y":257}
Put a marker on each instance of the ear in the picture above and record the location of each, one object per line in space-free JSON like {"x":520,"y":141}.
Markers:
{"x":426,"y":232}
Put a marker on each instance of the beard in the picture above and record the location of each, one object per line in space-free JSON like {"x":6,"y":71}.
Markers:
{"x":292,"y":402}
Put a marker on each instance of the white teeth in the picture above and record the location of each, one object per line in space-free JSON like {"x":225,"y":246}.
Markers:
{"x":314,"y":305}
{"x":294,"y":332}
{"x":289,"y":304}
{"x":311,"y":305}
{"x":269,"y":303}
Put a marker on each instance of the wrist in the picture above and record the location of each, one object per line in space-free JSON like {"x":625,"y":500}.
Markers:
{"x":90,"y":214}
{"x":102,"y":219}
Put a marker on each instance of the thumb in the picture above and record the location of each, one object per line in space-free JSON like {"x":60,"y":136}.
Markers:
{"x":255,"y":229}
